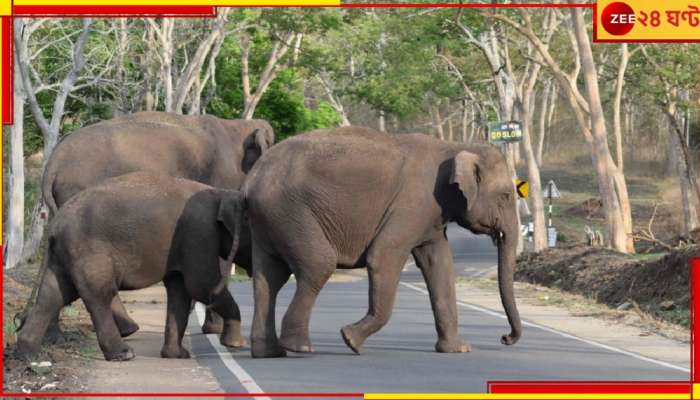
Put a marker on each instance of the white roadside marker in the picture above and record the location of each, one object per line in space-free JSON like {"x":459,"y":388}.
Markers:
{"x":243,"y":377}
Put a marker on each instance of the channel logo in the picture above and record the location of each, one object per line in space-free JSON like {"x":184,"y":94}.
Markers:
{"x":618,"y":18}
{"x":647,"y":21}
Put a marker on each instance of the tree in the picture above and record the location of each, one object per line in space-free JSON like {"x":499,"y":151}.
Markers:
{"x":15,"y":220}
{"x":675,"y":80}
{"x":31,"y":84}
{"x":591,"y":120}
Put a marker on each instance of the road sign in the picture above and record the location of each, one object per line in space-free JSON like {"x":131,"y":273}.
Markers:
{"x":505,"y":132}
{"x":523,"y":188}
{"x":551,"y":191}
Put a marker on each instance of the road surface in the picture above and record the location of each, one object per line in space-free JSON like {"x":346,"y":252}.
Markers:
{"x":400,"y":358}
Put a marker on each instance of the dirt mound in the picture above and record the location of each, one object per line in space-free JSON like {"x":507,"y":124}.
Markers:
{"x":660,"y":287}
{"x":590,"y":208}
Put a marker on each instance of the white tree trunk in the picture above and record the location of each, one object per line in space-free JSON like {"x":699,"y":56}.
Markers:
{"x":608,"y":174}
{"x":49,"y":128}
{"x":617,"y":103}
{"x":437,"y":122}
{"x":269,"y":73}
{"x":382,"y":121}
{"x":15,"y":218}
{"x":542,"y":122}
{"x":465,"y":122}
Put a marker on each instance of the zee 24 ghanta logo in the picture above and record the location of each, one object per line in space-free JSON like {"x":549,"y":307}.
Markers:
{"x":644,"y":20}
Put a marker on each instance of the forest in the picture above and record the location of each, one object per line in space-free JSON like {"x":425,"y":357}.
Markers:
{"x":617,"y":122}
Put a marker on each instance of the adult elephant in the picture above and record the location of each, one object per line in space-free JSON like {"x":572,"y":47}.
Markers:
{"x":202,"y":148}
{"x":355,"y":197}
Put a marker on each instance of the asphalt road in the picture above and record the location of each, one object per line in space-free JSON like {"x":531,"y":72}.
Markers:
{"x":400,"y":358}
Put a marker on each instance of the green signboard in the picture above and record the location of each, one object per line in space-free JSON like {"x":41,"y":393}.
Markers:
{"x":505,"y":132}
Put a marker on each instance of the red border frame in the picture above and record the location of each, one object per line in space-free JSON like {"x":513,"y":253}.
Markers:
{"x":504,"y":387}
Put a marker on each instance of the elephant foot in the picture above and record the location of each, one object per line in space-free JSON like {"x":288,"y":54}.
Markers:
{"x":123,"y":354}
{"x":509,"y":339}
{"x":352,"y":339}
{"x":212,"y":327}
{"x":296,"y":344}
{"x":174,"y":352}
{"x":54,"y":335}
{"x":231,"y":336}
{"x":260,"y":348}
{"x":25,"y":349}
{"x":452,"y":346}
{"x":127,"y":328}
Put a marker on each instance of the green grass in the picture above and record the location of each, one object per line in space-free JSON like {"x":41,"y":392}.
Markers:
{"x":239,"y":276}
{"x":648,"y":257}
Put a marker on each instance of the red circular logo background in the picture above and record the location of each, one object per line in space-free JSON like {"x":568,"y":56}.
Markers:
{"x":617,"y":9}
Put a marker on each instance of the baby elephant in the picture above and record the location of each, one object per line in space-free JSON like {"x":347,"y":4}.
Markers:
{"x":129,"y":233}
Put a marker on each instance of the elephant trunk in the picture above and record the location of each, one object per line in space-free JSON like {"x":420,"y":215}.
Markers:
{"x":507,"y":244}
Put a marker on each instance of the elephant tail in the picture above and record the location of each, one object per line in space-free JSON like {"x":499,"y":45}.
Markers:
{"x":47,"y":189}
{"x":238,"y":210}
{"x":231,"y":213}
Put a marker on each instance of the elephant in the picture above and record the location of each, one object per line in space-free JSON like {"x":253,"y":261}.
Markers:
{"x":201,"y":148}
{"x":355,"y":197}
{"x":131,"y":232}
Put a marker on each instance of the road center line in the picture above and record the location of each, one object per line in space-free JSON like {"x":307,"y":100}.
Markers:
{"x":557,"y":332}
{"x":243,"y":377}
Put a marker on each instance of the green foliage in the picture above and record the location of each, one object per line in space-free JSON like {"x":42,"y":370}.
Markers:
{"x":283,"y":104}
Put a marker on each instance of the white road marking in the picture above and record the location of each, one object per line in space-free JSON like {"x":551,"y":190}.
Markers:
{"x":560,"y":333}
{"x":243,"y":377}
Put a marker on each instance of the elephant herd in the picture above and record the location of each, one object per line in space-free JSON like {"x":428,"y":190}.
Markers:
{"x":155,"y":196}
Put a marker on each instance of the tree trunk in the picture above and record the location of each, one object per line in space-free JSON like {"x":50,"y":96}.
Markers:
{"x":690,"y":216}
{"x":553,"y":99}
{"x":437,"y":122}
{"x":450,"y":129}
{"x":683,"y":170}
{"x":15,"y":220}
{"x":465,"y":122}
{"x":49,"y":128}
{"x":600,"y":154}
{"x":533,"y":173}
{"x":617,"y":102}
{"x":542,"y":122}
{"x":269,"y":73}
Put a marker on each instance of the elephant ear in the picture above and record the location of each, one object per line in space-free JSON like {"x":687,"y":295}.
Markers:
{"x":231,"y":216}
{"x":262,"y":139}
{"x":254,"y":146}
{"x":465,"y":173}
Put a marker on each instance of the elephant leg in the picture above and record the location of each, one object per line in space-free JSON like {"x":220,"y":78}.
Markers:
{"x":176,"y":319}
{"x":295,"y":325}
{"x":97,"y":289}
{"x":269,"y":275}
{"x":54,"y":334}
{"x":226,"y":307}
{"x":55,"y":291}
{"x":435,"y":262}
{"x":213,"y":323}
{"x":126,"y":325}
{"x":384,"y":272}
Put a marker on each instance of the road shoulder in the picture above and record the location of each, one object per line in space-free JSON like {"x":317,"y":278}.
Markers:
{"x":589,"y":323}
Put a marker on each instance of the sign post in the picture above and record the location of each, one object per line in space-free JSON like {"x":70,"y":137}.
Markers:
{"x":504,"y":132}
{"x":551,"y":192}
